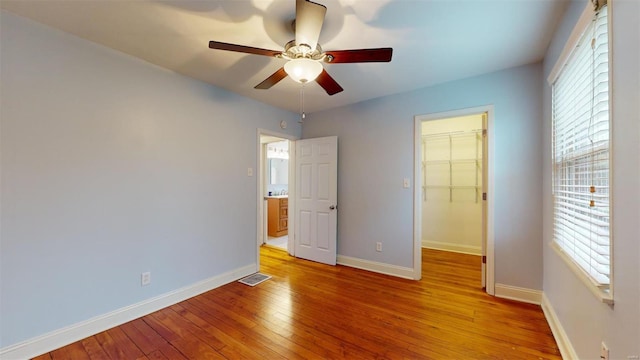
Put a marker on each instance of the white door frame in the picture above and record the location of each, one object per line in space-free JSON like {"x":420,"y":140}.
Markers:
{"x":260,"y":180}
{"x":417,"y":189}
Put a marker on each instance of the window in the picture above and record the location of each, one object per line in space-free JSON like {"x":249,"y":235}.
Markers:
{"x":581,"y":156}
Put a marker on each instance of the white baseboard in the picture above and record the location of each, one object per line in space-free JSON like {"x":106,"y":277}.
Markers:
{"x":382,"y":268}
{"x":67,"y":335}
{"x":564,"y":344}
{"x":459,"y":248}
{"x":519,"y":294}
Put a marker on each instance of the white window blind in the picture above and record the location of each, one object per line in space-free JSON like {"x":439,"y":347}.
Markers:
{"x":581,"y":144}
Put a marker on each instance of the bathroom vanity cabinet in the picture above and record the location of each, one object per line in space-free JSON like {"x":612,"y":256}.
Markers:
{"x":278,"y":216}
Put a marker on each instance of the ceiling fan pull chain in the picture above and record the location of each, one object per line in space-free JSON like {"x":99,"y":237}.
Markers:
{"x":302,"y":114}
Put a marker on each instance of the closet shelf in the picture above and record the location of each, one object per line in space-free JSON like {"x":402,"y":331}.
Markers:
{"x":444,"y":163}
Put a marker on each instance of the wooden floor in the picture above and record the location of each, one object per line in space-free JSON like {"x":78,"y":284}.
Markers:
{"x":313,"y":311}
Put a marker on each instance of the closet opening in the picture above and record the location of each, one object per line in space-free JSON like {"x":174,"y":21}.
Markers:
{"x":452,"y":205}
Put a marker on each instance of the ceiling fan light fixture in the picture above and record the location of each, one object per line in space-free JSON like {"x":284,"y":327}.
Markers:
{"x":303,"y":70}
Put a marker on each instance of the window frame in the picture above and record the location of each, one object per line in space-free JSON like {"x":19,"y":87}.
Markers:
{"x":583,"y":25}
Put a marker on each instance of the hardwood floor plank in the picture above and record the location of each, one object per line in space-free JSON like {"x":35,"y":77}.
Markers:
{"x":187,"y":329}
{"x":163,"y":331}
{"x":72,"y":351}
{"x":94,"y":350}
{"x":239,"y":346}
{"x":144,"y":339}
{"x":313,"y":311}
{"x":118,"y":345}
{"x":46,"y":356}
{"x":372,"y":313}
{"x":158,"y":355}
{"x":257,"y":336}
{"x":307,"y":348}
{"x":195,"y":349}
{"x":153,"y":340}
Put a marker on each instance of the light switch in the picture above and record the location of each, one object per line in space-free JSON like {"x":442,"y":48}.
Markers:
{"x":406,"y":183}
{"x":250,"y":172}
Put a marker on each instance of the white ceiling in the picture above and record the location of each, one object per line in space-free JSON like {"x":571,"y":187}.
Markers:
{"x":434,"y":41}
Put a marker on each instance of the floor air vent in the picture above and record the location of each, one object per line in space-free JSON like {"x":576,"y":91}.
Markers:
{"x":255,"y":279}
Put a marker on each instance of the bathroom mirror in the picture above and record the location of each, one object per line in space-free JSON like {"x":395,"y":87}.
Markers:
{"x":278,"y":171}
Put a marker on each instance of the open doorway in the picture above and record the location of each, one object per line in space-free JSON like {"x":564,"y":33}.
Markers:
{"x":313,"y":174}
{"x":277,"y":193}
{"x":452,"y":184}
{"x":452,"y":177}
{"x":274,"y":185}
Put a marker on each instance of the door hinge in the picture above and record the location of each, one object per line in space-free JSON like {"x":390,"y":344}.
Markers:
{"x":484,"y":259}
{"x":484,"y":132}
{"x":484,"y":196}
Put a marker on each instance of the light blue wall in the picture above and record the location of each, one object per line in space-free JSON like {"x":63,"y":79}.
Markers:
{"x":375,"y":153}
{"x":586,"y":321}
{"x":90,"y":138}
{"x":111,"y":167}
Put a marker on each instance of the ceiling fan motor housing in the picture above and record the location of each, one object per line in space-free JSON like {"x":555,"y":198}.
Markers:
{"x":293,"y":51}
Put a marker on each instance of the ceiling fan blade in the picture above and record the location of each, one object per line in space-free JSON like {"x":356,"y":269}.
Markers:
{"x":242,"y":49}
{"x":309,"y":19}
{"x":328,"y":83}
{"x":359,"y":56}
{"x":272,"y":80}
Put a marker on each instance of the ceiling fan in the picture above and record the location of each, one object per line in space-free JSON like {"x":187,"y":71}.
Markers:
{"x":305,"y":54}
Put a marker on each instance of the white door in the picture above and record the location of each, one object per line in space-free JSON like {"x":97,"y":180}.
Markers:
{"x":316,"y":198}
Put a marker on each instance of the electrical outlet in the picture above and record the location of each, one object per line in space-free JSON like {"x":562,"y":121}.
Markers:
{"x":406,"y":183}
{"x":145,"y":278}
{"x":249,"y":171}
{"x":379,"y":246}
{"x":604,"y":351}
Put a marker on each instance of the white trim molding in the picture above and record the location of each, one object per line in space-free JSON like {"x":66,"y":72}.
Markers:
{"x":417,"y":198}
{"x":519,"y":294}
{"x":378,"y":267}
{"x":564,"y":344}
{"x":490,"y":186}
{"x":67,"y":335}
{"x":459,"y":248}
{"x":601,"y":295}
{"x":570,"y":45}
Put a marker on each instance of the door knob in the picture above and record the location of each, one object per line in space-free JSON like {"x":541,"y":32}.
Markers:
{"x":332,"y":207}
